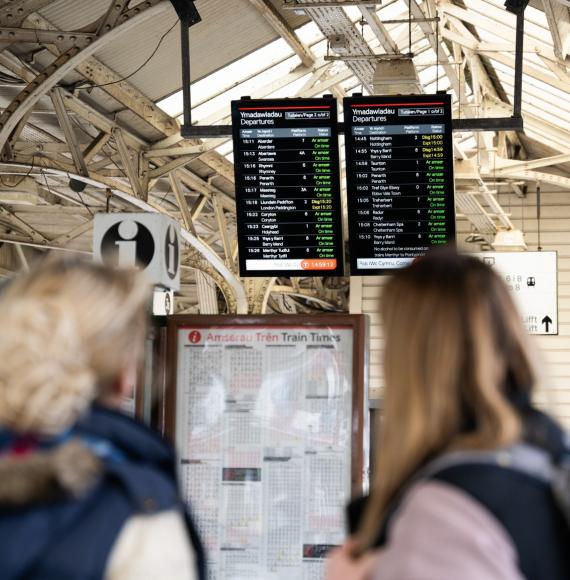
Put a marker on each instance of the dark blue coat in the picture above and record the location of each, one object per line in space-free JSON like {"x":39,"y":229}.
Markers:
{"x":71,"y":538}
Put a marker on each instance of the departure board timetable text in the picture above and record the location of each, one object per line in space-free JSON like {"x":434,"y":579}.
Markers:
{"x":400,"y":188}
{"x":287,"y":187}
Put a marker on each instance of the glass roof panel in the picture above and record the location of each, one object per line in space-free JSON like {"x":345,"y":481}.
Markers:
{"x":270,"y":70}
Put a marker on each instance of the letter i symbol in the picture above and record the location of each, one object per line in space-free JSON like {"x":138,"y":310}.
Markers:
{"x":171,"y":251}
{"x":128,"y":230}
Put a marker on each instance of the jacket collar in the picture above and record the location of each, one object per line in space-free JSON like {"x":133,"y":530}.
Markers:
{"x":131,"y":438}
{"x":71,"y":463}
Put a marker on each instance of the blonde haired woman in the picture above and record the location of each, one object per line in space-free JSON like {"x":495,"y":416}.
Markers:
{"x":462,"y":487}
{"x":85,"y":493}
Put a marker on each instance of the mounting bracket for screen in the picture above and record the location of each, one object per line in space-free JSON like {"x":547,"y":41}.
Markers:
{"x":188,"y":14}
{"x":189,"y":131}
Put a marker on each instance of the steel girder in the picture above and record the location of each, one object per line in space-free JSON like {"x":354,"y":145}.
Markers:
{"x":69,"y":60}
{"x":234,"y":291}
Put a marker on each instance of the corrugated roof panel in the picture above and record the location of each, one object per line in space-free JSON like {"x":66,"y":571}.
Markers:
{"x":229,"y":30}
{"x":74,"y":14}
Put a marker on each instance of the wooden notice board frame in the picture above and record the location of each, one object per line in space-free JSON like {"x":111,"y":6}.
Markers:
{"x":357,"y":430}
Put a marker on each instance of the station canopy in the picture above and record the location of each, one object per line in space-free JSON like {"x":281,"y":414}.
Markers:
{"x":91,"y":100}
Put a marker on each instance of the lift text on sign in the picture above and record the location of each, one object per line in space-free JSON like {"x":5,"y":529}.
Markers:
{"x":532,"y":279}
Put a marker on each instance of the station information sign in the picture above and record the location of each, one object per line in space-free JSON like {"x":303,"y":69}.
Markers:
{"x":287,"y":187}
{"x":399,"y":170}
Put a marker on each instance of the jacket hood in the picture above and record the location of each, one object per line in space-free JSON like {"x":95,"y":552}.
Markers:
{"x":64,"y":502}
{"x":71,"y":468}
{"x":68,"y":470}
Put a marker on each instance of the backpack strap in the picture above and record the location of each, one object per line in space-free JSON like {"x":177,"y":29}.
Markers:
{"x":521,"y":457}
{"x":526,"y":459}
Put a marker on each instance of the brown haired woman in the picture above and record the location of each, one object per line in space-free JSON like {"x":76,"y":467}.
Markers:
{"x":85,"y":493}
{"x":463,"y":480}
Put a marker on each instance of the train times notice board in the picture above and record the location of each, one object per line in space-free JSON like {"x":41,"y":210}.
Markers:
{"x":399,"y":172}
{"x":287,"y":187}
{"x":267,"y":414}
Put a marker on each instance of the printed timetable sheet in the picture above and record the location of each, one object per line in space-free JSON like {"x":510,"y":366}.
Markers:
{"x":264,"y":437}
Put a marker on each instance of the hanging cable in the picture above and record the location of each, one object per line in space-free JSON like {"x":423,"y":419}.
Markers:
{"x":410,"y":26}
{"x":139,"y":68}
{"x":437,"y":54}
{"x":362,"y":21}
{"x":538,"y":212}
{"x":23,"y":178}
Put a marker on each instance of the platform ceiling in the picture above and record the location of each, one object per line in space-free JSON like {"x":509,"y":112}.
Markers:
{"x":91,"y":88}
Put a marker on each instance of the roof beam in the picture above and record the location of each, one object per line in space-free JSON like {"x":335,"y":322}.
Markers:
{"x":33,"y":36}
{"x":132,"y":98}
{"x":73,"y":234}
{"x":96,"y":146}
{"x":116,"y":7}
{"x":21,"y":225}
{"x":66,"y":62}
{"x":381,"y":32}
{"x":558,"y":18}
{"x":182,"y":203}
{"x":12,"y":239}
{"x":479,"y":72}
{"x":14,"y":13}
{"x":175,"y":151}
{"x":70,"y":137}
{"x":230,"y":283}
{"x":534,"y":127}
{"x":129,"y":165}
{"x":279,"y":24}
{"x":531,"y":175}
{"x":516,"y":166}
{"x":260,"y":93}
{"x":22,"y":257}
{"x":436,"y":45}
{"x":29,"y":148}
{"x":171,"y":166}
{"x":486,"y":22}
{"x":223,"y":230}
{"x":106,"y":125}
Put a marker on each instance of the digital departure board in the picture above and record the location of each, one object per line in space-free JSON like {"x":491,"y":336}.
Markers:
{"x":399,"y":171}
{"x":287,"y":187}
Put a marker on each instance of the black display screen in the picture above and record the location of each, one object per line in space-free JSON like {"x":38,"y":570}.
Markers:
{"x":399,"y":171}
{"x":287,"y":187}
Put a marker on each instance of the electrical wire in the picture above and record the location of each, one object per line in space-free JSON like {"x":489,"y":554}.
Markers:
{"x":437,"y":55}
{"x":133,"y":73}
{"x":24,"y":177}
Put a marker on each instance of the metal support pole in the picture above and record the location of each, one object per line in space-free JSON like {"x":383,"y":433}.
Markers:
{"x":538,"y":216}
{"x":185,"y":47}
{"x":517,"y":106}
